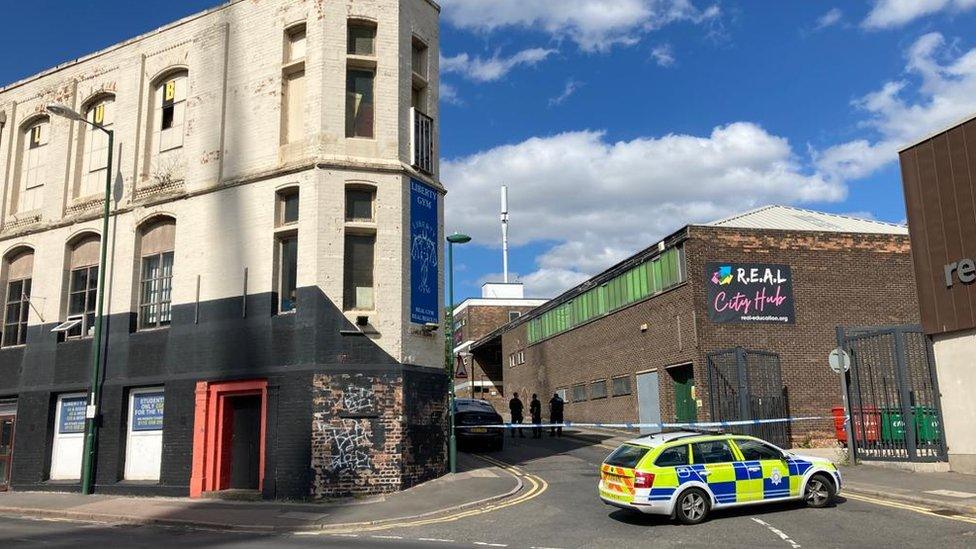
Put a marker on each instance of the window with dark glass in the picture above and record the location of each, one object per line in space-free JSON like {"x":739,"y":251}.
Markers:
{"x":755,"y":450}
{"x":715,"y":451}
{"x":82,"y":292}
{"x":579,"y":393}
{"x":358,"y":292}
{"x":17,"y":310}
{"x":288,"y":273}
{"x":288,"y":207}
{"x":673,"y":457}
{"x":359,"y":102}
{"x":362,"y":38}
{"x":359,"y":205}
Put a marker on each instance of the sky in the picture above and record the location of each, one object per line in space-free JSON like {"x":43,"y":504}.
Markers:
{"x":616,"y":122}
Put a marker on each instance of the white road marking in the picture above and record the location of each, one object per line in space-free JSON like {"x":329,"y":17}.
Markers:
{"x":387,"y":537}
{"x":778,"y":532}
{"x":952,"y":494}
{"x":490,"y":544}
{"x":436,"y":539}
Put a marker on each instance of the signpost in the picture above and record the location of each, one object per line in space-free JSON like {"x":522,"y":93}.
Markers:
{"x":840,"y":362}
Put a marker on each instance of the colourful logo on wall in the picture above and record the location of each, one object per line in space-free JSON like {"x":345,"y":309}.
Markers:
{"x":723,"y":276}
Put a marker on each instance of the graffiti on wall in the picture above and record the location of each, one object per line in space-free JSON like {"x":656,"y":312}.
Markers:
{"x":350,"y":446}
{"x":357,"y":400}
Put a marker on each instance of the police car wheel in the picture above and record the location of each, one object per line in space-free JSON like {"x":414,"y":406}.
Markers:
{"x":819,"y":492}
{"x":692,"y":506}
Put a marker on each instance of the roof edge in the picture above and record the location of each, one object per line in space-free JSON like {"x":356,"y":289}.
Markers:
{"x":935,"y":134}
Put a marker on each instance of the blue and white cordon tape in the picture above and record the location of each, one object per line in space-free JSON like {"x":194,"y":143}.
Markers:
{"x":695,"y":425}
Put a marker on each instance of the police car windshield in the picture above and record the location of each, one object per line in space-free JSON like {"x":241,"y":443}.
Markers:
{"x":626,"y":456}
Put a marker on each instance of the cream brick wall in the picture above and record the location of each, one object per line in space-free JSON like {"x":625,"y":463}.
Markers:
{"x":232,"y":160}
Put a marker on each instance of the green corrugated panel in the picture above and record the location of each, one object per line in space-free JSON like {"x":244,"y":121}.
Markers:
{"x":642,"y":278}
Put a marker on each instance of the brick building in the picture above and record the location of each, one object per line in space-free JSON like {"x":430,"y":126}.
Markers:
{"x":633,"y":343}
{"x":474,"y":318}
{"x":274,"y":274}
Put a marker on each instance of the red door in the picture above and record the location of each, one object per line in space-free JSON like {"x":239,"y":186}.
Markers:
{"x":6,"y":450}
{"x":226,"y":443}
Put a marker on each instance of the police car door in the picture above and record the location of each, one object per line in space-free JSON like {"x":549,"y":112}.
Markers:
{"x":769,"y":473}
{"x":713,"y":461}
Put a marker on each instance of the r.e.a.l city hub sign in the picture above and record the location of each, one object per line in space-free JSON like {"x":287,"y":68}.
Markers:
{"x":964,"y":270}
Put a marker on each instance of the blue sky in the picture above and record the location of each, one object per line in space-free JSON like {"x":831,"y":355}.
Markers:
{"x":615,"y":122}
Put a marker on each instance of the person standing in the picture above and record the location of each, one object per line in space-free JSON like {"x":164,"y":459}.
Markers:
{"x":535,"y":410}
{"x":515,"y":406}
{"x":555,"y":414}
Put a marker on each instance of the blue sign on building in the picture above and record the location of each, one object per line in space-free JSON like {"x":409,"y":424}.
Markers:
{"x":72,"y":418}
{"x":147,"y":411}
{"x":424,"y":245}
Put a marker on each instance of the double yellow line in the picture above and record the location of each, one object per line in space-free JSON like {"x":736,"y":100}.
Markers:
{"x":537,"y":485}
{"x":907,"y":507}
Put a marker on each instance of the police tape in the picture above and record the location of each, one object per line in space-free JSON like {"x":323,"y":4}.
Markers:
{"x":690,"y":426}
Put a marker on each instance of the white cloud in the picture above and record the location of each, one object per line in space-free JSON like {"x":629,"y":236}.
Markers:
{"x":601,"y":201}
{"x":900,"y":113}
{"x":663,"y":55}
{"x":568,"y":90}
{"x":493,"y":68}
{"x":595,"y":25}
{"x":829,"y":19}
{"x":888,"y":14}
{"x":449,"y":94}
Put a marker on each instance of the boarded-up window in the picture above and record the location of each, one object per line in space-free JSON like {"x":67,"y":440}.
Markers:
{"x":293,"y":107}
{"x":621,"y":386}
{"x":598,"y":389}
{"x":169,"y":114}
{"x":33,"y":168}
{"x":95,"y":143}
{"x":579,"y":393}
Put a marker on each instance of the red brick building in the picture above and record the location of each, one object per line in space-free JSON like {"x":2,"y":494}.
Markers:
{"x":474,"y":318}
{"x":649,"y":339}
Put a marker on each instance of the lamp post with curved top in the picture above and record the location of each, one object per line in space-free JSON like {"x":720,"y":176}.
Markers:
{"x":91,"y":412}
{"x":456,"y":238}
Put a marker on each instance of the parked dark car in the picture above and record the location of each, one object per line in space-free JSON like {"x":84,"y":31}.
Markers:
{"x":470,"y":413}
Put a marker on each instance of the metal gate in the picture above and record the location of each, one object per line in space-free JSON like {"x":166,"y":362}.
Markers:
{"x":893,"y":394}
{"x":745,"y":384}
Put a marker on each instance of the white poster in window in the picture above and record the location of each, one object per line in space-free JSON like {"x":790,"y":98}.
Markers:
{"x":69,"y":437}
{"x":144,"y":440}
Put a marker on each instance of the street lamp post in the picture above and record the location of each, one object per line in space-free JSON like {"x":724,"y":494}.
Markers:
{"x":91,"y":413}
{"x":456,"y":238}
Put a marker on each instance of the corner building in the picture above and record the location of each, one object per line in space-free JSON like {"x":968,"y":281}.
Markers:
{"x":274,"y":256}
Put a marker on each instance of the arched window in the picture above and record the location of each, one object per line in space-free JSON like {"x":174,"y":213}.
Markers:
{"x":94,"y":143}
{"x":83,"y":255}
{"x":18,"y":267}
{"x":157,"y":242}
{"x":33,"y":164}
{"x":169,"y":112}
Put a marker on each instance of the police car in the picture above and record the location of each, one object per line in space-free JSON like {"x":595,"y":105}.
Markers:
{"x":687,"y":474}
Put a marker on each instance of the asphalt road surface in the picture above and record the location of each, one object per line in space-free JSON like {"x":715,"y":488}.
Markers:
{"x":559,"y":510}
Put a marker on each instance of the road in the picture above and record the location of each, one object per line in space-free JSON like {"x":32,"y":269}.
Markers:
{"x":560,"y":511}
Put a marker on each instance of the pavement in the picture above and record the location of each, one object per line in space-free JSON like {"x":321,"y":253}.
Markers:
{"x":476,"y":483}
{"x":557,"y":508}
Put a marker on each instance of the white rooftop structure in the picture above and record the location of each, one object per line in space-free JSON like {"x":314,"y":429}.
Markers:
{"x":788,"y":218}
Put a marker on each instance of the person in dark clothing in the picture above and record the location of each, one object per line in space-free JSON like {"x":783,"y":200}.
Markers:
{"x":555,"y":414}
{"x":535,"y":410}
{"x":515,"y":406}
